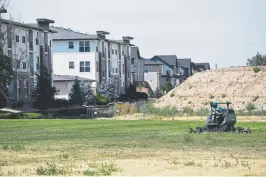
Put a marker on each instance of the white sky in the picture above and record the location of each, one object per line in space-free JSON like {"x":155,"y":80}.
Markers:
{"x":223,"y":32}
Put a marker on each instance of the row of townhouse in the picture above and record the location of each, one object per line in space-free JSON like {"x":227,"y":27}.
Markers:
{"x":158,"y":67}
{"x":68,"y":54}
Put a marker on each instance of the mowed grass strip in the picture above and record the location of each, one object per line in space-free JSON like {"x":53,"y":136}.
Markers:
{"x":89,"y":134}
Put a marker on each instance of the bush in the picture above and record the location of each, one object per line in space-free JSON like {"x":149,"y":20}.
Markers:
{"x":125,"y":108}
{"x":172,"y":95}
{"x":255,"y":98}
{"x":60,"y":103}
{"x":256,"y":69}
{"x":188,"y":111}
{"x":101,"y":100}
{"x":250,"y":107}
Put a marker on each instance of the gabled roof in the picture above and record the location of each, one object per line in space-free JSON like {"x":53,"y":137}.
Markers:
{"x":30,"y":26}
{"x":150,"y":62}
{"x":205,"y":65}
{"x":69,"y":78}
{"x":68,"y":34}
{"x":184,"y":62}
{"x":169,"y":59}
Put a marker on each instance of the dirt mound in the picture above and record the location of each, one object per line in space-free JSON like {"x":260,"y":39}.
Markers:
{"x":240,"y":85}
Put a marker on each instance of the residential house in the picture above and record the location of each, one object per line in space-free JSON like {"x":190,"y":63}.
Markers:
{"x":198,"y":67}
{"x":27,"y":45}
{"x":92,"y":56}
{"x":153,"y":74}
{"x":169,"y":67}
{"x":64,"y":83}
{"x":137,"y":65}
{"x":184,"y":69}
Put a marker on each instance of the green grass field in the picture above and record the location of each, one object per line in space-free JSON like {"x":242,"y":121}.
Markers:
{"x":28,"y":145}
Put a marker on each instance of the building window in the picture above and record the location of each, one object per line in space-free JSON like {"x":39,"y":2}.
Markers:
{"x":84,"y":66}
{"x":9,"y":53}
{"x":113,"y":70}
{"x":18,"y":65}
{"x":38,"y":63}
{"x":146,"y":69}
{"x":23,"y":39}
{"x":116,"y":52}
{"x":24,"y":65}
{"x":97,"y":66}
{"x":37,"y":41}
{"x":132,"y":61}
{"x":84,"y":46}
{"x":109,"y":68}
{"x":17,"y":38}
{"x":123,"y":53}
{"x":71,"y":65}
{"x":71,"y":45}
{"x":113,"y":52}
{"x":116,"y":70}
{"x":123,"y":68}
{"x":96,"y":49}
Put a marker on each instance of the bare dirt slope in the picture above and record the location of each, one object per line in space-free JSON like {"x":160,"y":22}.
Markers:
{"x":240,"y":85}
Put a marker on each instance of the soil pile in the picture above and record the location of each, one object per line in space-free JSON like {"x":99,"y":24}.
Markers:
{"x":239,"y":85}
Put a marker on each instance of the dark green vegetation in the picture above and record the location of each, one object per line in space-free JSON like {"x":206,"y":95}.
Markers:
{"x":257,"y":60}
{"x":6,"y":73}
{"x":118,"y":134}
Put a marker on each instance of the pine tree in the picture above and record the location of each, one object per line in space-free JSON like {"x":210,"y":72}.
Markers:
{"x":157,"y":93}
{"x":108,"y":89}
{"x":44,"y":92}
{"x":6,"y":73}
{"x":90,"y":97}
{"x":77,"y":95}
{"x":168,"y":85}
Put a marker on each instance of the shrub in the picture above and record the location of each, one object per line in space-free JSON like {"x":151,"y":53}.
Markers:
{"x":125,"y":108}
{"x":59,"y":103}
{"x":223,"y":95}
{"x":172,"y":95}
{"x":255,"y":98}
{"x":101,"y":100}
{"x":256,"y":69}
{"x":250,"y":107}
{"x":188,"y":110}
{"x":50,"y":170}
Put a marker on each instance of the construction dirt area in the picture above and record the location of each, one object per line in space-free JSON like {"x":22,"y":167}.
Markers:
{"x":239,"y":85}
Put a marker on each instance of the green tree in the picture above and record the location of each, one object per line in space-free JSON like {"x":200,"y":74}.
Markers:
{"x":44,"y":92}
{"x":258,"y":60}
{"x":250,"y":107}
{"x":77,"y":94}
{"x":168,"y":86}
{"x":89,"y":96}
{"x":6,"y":73}
{"x":157,"y":93}
{"x":132,"y":91}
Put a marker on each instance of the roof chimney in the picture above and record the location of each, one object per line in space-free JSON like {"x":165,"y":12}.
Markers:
{"x":102,"y":34}
{"x":126,"y":39}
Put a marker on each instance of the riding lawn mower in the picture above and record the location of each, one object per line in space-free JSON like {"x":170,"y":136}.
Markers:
{"x":220,"y":120}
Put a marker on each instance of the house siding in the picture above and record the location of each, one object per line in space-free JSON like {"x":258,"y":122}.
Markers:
{"x":62,"y":46}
